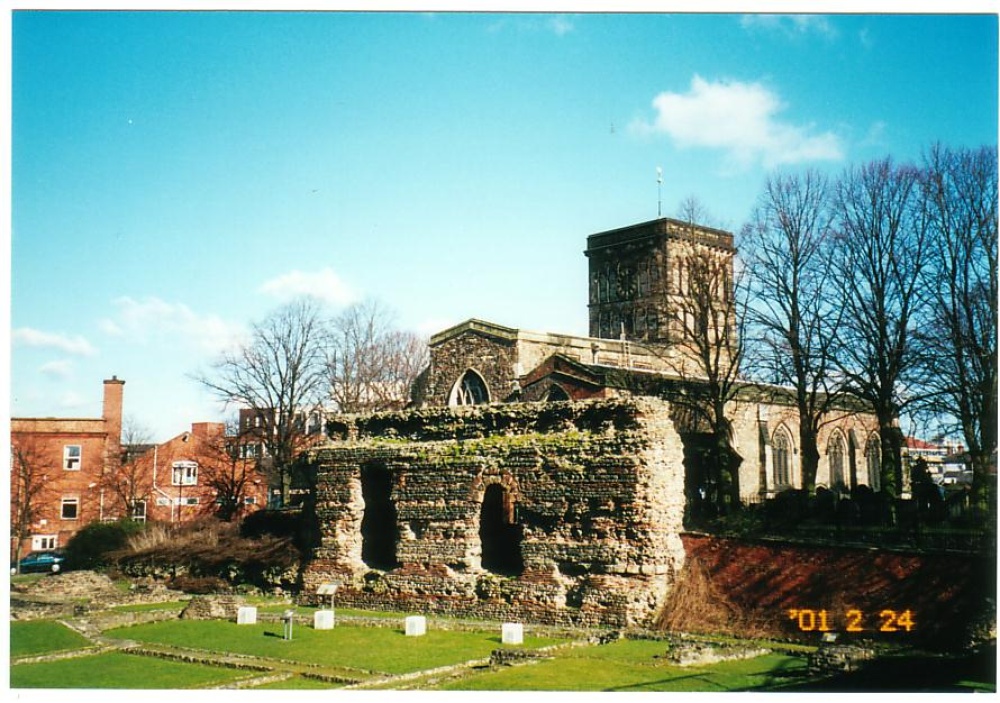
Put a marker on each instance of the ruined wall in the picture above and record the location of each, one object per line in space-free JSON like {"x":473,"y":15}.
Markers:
{"x":595,"y":490}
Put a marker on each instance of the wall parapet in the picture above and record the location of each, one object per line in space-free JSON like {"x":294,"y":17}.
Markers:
{"x":479,"y":421}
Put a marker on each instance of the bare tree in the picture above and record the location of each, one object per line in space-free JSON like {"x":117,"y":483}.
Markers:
{"x":882,"y":248}
{"x":28,"y":489}
{"x":229,"y":469}
{"x":373,"y":365}
{"x":795,"y":320}
{"x":959,"y":337}
{"x":708,"y":304}
{"x":279,"y":373}
{"x":129,"y":482}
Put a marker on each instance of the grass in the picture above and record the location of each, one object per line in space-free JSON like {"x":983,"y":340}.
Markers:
{"x":379,"y":649}
{"x":631,"y":665}
{"x":116,"y":670}
{"x":35,"y":637}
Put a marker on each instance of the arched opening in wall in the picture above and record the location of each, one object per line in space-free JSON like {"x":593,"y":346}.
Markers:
{"x":499,"y":532}
{"x":378,"y":524}
{"x":556,"y":393}
{"x":470,"y":389}
{"x":700,"y":478}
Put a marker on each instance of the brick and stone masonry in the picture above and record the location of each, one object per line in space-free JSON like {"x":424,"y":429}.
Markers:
{"x":559,"y":513}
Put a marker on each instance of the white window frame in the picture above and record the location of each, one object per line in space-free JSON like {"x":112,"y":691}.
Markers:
{"x":44,"y":543}
{"x":184,"y":473}
{"x":71,"y":462}
{"x":162,"y":502}
{"x":188,"y":501}
{"x":138,"y":512}
{"x":67,"y":501}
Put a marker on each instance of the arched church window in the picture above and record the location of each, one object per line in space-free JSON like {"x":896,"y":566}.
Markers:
{"x":781,"y":452}
{"x":873,"y":456}
{"x":556,"y":393}
{"x":470,"y":390}
{"x":644,"y":278}
{"x":835,"y":455}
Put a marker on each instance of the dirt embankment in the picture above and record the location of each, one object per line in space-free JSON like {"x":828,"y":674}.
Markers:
{"x":791,"y":591}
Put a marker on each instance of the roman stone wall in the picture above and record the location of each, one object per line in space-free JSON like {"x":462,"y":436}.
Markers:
{"x":595,"y":489}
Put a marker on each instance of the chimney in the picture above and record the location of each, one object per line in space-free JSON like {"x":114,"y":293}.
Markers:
{"x":208,"y":430}
{"x":113,"y":391}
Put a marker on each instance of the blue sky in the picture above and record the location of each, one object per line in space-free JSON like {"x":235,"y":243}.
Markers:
{"x":176,"y":176}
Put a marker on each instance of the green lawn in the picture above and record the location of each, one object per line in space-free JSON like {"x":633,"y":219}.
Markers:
{"x":631,"y":665}
{"x":378,"y":649}
{"x":34,"y":637}
{"x":116,"y":670}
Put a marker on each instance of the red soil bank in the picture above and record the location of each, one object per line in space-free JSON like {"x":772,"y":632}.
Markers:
{"x":774,"y":589}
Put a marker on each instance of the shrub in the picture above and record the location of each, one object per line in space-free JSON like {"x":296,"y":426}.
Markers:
{"x":210,"y":554}
{"x":93,"y":546}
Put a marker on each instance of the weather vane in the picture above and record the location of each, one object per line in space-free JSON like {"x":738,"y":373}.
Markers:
{"x":659,"y":184}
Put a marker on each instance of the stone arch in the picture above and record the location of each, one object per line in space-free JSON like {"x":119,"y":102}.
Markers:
{"x":469,"y":389}
{"x":782,"y":451}
{"x":500,"y":532}
{"x":836,"y":456}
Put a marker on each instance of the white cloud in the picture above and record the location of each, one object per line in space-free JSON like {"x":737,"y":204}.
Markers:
{"x":57,"y":369}
{"x":741,"y":120}
{"x":153,"y":320}
{"x":790,"y":25}
{"x":324,"y":285}
{"x":561,"y":25}
{"x":77,"y":346}
{"x":71,"y":400}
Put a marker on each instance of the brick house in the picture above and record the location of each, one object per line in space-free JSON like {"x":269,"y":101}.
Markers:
{"x":195,"y":474}
{"x":57,"y":467}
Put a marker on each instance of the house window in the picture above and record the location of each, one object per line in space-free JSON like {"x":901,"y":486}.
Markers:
{"x":72,"y":455}
{"x":781,"y":453}
{"x":139,"y":510}
{"x":185,"y":473}
{"x":188,"y":501}
{"x":70,"y":508}
{"x":250,"y":500}
{"x":162,"y":502}
{"x":44,"y":543}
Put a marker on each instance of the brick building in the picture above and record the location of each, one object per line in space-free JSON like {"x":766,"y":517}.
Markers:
{"x":57,"y":471}
{"x":195,"y":474}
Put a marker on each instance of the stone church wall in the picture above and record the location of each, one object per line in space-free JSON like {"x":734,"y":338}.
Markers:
{"x":596,"y":488}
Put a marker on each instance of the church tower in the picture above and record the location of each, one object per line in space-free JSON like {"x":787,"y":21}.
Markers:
{"x":640,"y":275}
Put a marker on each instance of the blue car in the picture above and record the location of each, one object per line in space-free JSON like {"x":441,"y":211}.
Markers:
{"x":48,"y":562}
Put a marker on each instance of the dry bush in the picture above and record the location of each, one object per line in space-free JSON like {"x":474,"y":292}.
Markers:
{"x":697,"y":605}
{"x":207,"y":550}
